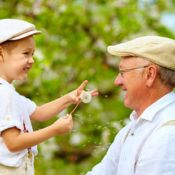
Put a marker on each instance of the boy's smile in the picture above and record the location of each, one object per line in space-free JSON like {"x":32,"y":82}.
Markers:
{"x":16,"y":59}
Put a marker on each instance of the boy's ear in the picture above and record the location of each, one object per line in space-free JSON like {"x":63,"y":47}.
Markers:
{"x":1,"y":54}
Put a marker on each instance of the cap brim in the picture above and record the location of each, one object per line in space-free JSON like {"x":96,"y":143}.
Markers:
{"x":34,"y":32}
{"x":119,"y":50}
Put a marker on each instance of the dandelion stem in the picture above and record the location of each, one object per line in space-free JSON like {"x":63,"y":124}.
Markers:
{"x":75,"y":108}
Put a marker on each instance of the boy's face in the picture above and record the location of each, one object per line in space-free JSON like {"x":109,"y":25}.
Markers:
{"x":16,"y":59}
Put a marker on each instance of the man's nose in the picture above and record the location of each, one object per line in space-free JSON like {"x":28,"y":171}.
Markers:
{"x":118,"y":80}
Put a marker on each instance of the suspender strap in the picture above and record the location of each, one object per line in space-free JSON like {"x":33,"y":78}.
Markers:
{"x":126,"y":136}
{"x":169,"y":123}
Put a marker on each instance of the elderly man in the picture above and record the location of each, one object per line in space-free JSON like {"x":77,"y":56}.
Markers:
{"x":146,"y":146}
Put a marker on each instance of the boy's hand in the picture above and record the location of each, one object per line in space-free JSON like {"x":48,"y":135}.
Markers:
{"x":74,"y":96}
{"x":63,"y":125}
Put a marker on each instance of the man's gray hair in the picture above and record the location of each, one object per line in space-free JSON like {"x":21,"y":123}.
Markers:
{"x":167,"y":76}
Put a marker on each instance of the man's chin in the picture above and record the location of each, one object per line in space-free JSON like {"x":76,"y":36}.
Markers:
{"x":127,"y":104}
{"x":126,"y":100}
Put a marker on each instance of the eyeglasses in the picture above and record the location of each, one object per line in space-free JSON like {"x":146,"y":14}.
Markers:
{"x":121,"y":71}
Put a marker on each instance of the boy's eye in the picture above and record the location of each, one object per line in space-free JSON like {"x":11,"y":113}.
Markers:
{"x":26,"y":53}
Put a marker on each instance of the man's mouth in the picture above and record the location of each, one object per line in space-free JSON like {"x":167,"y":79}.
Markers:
{"x":125,"y":92}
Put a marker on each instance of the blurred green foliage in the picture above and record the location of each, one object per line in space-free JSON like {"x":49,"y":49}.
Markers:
{"x":72,"y":48}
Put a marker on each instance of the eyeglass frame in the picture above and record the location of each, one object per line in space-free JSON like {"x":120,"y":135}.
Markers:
{"x":121,"y":71}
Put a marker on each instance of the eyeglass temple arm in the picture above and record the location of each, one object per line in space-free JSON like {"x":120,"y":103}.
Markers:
{"x":123,"y":70}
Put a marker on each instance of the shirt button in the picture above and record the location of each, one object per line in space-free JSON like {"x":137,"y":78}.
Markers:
{"x":132,"y":134}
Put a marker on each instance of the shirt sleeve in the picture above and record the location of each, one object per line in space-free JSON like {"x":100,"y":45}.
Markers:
{"x":109,"y":164}
{"x":31,"y":106}
{"x":8,"y":111}
{"x":158,"y":154}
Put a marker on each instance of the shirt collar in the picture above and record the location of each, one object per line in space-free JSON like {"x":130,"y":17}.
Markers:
{"x":151,"y":111}
{"x":4,"y":82}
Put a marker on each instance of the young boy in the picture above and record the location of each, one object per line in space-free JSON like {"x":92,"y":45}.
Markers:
{"x":17,"y":139}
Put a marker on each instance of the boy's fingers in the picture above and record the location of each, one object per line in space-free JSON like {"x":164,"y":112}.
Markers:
{"x":67,"y":116}
{"x":70,"y":115}
{"x":94,"y":92}
{"x":81,"y":87}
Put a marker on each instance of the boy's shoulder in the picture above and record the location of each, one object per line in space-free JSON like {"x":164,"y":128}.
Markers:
{"x":6,"y":90}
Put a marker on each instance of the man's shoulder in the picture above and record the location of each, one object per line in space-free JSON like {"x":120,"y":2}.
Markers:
{"x":168,"y":113}
{"x":167,"y":128}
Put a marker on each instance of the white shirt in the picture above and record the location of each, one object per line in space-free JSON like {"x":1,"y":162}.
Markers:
{"x":143,"y":147}
{"x":14,"y":110}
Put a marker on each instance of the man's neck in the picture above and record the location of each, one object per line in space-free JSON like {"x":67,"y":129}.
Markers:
{"x":152,"y":97}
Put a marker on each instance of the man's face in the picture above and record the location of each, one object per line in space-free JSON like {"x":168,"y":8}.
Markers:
{"x":132,"y":81}
{"x":17,"y":59}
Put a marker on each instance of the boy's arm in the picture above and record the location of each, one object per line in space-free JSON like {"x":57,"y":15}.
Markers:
{"x":48,"y":110}
{"x":16,"y":141}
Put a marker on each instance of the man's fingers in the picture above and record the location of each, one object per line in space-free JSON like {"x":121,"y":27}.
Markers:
{"x":81,"y":87}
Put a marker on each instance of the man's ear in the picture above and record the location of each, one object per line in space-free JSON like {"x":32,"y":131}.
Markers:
{"x":151,"y":75}
{"x":1,"y":54}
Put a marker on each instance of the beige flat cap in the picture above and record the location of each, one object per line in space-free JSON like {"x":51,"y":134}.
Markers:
{"x":14,"y":29}
{"x":159,"y":50}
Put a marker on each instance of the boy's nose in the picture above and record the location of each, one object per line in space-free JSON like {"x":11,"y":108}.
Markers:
{"x":118,"y":80}
{"x":31,"y":60}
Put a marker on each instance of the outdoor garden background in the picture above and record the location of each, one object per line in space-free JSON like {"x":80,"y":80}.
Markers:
{"x":72,"y":48}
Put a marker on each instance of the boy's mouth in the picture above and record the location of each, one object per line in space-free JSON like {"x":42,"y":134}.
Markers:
{"x":26,"y":69}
